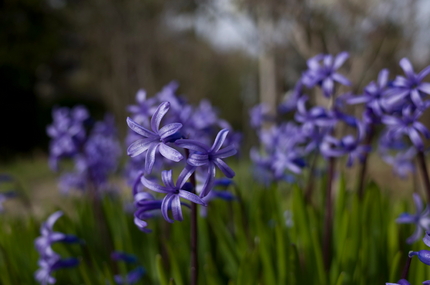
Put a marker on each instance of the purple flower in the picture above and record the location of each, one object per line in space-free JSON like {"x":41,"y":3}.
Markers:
{"x":421,"y":219}
{"x":145,"y":204}
{"x":322,"y":72}
{"x":210,"y":157}
{"x":258,"y":115}
{"x":402,"y":162}
{"x":315,"y":117}
{"x":67,"y":133}
{"x":174,"y":192}
{"x":134,"y":275}
{"x":348,"y":145}
{"x":410,"y":86}
{"x":290,"y":103}
{"x":144,"y":108}
{"x":50,"y":261}
{"x":408,"y":125}
{"x":373,"y":94}
{"x":156,"y":139}
{"x":423,"y":256}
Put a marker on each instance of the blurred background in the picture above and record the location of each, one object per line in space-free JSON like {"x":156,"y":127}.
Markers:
{"x":234,"y":52}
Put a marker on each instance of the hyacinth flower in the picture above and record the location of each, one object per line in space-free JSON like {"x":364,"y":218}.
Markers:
{"x":259,"y":114}
{"x":144,"y":109}
{"x":322,"y":72}
{"x":402,"y":162}
{"x":134,"y":275}
{"x":174,"y":192}
{"x":374,"y":94}
{"x":155,"y":140}
{"x":407,"y":125}
{"x":313,"y":118}
{"x":145,"y":204}
{"x":348,"y":145}
{"x":290,"y":102}
{"x":423,"y":255}
{"x":410,"y":87}
{"x":49,"y":261}
{"x":421,"y":219}
{"x":209,"y":157}
{"x":67,"y":133}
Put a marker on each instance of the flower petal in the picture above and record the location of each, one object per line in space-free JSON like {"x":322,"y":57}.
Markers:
{"x":150,"y":157}
{"x":165,"y":205}
{"x":158,"y":115}
{"x":170,"y":153}
{"x":225,"y":152}
{"x":139,"y":147}
{"x":340,"y":59}
{"x":383,"y":78}
{"x":219,"y":140}
{"x":192,"y":145}
{"x":407,"y":67}
{"x":169,"y":130}
{"x":210,"y":178}
{"x":167,"y":178}
{"x":191,"y":197}
{"x":139,"y":129}
{"x":224,"y":168}
{"x":176,"y":208}
{"x":341,"y":79}
{"x":154,"y":186}
{"x":184,"y":175}
{"x":198,"y":159}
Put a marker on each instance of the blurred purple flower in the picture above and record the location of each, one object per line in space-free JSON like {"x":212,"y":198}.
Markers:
{"x":322,"y":72}
{"x":174,"y":192}
{"x":402,"y":162}
{"x":259,"y":114}
{"x":67,"y":133}
{"x":373,"y":95}
{"x":50,"y":261}
{"x":410,"y":87}
{"x":313,"y":118}
{"x":348,"y":145}
{"x":144,"y":109}
{"x":421,"y":219}
{"x":210,"y":157}
{"x":290,"y":103}
{"x":134,"y":275}
{"x":408,"y":125}
{"x":155,"y":140}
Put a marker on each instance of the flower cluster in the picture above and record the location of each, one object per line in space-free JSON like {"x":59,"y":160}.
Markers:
{"x":50,"y":261}
{"x":94,"y":152}
{"x":184,"y":136}
{"x":395,"y":106}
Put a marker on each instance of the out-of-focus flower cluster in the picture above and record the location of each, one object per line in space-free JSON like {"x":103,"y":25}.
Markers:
{"x":166,"y":131}
{"x":93,"y":148}
{"x":390,"y":108}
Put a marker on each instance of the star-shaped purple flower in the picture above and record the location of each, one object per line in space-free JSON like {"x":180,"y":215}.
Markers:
{"x":322,"y":72}
{"x":374,"y":94}
{"x":421,"y":219}
{"x":210,"y":157}
{"x":144,"y":108}
{"x":410,"y":86}
{"x":156,"y":139}
{"x":174,"y":192}
{"x":408,"y":125}
{"x":348,"y":145}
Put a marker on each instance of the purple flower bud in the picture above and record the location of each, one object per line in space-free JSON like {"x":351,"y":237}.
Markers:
{"x":423,"y":256}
